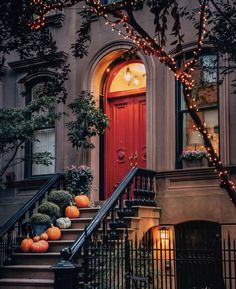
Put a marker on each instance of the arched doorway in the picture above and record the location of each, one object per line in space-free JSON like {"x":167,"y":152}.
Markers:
{"x":125,"y":105}
{"x":198,"y":257}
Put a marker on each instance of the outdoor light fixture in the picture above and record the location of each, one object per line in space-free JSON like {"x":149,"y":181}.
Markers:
{"x":128,"y":75}
{"x":164,"y":233}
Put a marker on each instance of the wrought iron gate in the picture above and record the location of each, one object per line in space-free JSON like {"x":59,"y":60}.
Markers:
{"x":125,"y":264}
{"x":198,"y":258}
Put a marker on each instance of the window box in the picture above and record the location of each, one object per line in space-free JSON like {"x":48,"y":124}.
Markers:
{"x":203,"y":162}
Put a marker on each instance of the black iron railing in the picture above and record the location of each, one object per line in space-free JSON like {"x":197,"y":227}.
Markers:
{"x":155,"y":264}
{"x":14,"y":229}
{"x":138,"y":188}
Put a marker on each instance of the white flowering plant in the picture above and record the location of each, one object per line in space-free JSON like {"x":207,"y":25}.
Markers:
{"x":78,"y":179}
{"x":193,"y":155}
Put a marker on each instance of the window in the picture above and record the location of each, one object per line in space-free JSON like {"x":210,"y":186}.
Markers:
{"x":205,"y":95}
{"x":110,"y":1}
{"x":45,"y":143}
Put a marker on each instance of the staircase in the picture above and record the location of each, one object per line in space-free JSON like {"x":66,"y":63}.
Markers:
{"x":130,"y":209}
{"x":32,"y":270}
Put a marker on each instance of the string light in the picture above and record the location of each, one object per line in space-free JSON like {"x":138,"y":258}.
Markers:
{"x":123,"y":26}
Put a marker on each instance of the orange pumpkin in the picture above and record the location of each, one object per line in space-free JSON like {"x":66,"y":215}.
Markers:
{"x":39,"y":247}
{"x":72,"y":212}
{"x":36,"y":238}
{"x":54,"y":233}
{"x":44,"y":236}
{"x":26,"y":244}
{"x":82,"y":201}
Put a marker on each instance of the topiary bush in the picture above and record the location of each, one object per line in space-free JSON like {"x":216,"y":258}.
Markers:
{"x":40,"y":219}
{"x":61,"y":198}
{"x":50,"y":209}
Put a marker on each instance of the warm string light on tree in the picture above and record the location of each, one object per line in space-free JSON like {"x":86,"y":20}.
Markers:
{"x":40,"y":8}
{"x":125,"y":25}
{"x":184,"y":76}
{"x":148,"y":45}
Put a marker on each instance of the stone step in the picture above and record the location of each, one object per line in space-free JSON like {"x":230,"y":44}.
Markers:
{"x":22,"y":283}
{"x":28,"y":271}
{"x":56,"y":246}
{"x":73,"y":234}
{"x":70,"y":234}
{"x":49,"y":258}
{"x":80,"y":223}
{"x":88,"y":212}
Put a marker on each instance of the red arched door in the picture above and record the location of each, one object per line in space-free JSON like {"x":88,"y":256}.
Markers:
{"x":125,"y":139}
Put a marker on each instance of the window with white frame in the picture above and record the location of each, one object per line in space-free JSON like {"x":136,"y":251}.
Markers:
{"x":45,"y":140}
{"x":205,"y":95}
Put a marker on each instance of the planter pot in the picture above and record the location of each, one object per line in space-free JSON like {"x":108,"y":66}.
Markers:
{"x":38,"y":229}
{"x":195,"y":163}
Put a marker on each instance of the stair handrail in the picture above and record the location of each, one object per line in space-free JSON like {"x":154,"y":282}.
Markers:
{"x":106,"y":208}
{"x":30,"y":204}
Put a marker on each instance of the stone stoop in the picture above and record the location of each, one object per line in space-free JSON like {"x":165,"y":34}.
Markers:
{"x":32,"y":270}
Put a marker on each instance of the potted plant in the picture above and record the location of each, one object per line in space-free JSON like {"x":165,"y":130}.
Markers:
{"x":61,"y":198}
{"x":194,"y":158}
{"x":39,"y":223}
{"x":50,"y":209}
{"x":79,"y":180}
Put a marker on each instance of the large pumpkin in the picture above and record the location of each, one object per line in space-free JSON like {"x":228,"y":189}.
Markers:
{"x":82,"y":201}
{"x":26,"y":244}
{"x":72,"y":212}
{"x":54,"y":233}
{"x":39,"y":247}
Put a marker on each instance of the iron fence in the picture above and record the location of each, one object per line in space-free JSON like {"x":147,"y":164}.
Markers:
{"x":126,"y":264}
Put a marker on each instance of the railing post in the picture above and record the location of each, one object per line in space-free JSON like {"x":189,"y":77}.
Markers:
{"x":127,"y":261}
{"x":65,"y":272}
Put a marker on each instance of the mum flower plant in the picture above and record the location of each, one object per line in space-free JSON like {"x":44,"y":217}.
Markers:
{"x":193,"y":155}
{"x":79,"y":179}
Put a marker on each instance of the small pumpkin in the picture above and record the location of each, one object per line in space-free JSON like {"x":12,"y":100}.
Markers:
{"x":36,"y":238}
{"x":44,"y":236}
{"x":72,"y":212}
{"x":82,"y":201}
{"x":39,"y":247}
{"x":54,"y":233}
{"x":63,"y":223}
{"x":26,"y":244}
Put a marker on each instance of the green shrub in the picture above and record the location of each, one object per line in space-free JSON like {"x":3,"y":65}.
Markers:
{"x":40,"y":219}
{"x":61,"y":198}
{"x":50,"y":209}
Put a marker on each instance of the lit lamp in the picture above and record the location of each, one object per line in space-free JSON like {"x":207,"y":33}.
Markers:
{"x":195,"y":139}
{"x":128,"y":75}
{"x":164,"y":233}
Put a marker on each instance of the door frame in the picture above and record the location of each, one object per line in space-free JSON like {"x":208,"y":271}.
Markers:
{"x":111,"y":71}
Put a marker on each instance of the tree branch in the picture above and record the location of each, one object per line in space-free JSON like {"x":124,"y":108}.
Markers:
{"x":222,"y":14}
{"x":3,"y":170}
